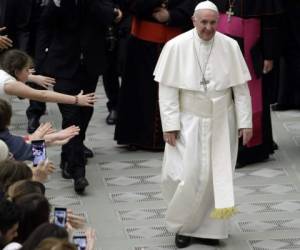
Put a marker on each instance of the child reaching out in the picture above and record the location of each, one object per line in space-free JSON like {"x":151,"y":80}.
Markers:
{"x":14,"y":72}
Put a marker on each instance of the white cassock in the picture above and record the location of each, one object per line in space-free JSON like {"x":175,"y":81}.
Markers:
{"x":197,"y":172}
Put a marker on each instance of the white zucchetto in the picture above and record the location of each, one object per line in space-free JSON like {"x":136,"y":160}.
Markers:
{"x":207,"y":5}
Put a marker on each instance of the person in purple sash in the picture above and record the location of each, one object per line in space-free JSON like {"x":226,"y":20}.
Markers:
{"x":254,"y":25}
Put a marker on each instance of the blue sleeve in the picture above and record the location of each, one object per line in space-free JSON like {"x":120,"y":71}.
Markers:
{"x":21,"y":150}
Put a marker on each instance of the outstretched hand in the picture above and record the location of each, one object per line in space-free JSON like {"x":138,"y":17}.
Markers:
{"x":41,"y":131}
{"x":63,"y":136}
{"x":86,"y":99}
{"x":43,"y":81}
{"x":51,"y":137}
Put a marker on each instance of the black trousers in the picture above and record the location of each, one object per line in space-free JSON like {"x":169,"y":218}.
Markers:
{"x":35,"y":108}
{"x":111,"y":81}
{"x":72,"y":152}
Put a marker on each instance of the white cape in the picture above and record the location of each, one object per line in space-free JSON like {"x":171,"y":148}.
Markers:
{"x":178,"y":67}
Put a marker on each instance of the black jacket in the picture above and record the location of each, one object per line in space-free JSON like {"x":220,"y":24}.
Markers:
{"x":72,"y":34}
{"x":180,"y":11}
{"x":15,"y":16}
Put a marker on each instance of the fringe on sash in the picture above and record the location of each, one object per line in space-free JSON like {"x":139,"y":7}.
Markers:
{"x":223,"y":213}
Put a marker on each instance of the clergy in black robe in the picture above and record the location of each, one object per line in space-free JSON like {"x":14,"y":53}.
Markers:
{"x":138,"y":121}
{"x":254,"y":24}
{"x":289,"y":88}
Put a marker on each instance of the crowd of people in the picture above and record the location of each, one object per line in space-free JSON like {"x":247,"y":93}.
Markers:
{"x":193,"y":78}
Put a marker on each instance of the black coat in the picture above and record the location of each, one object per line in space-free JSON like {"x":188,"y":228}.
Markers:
{"x":180,"y":11}
{"x":73,"y":34}
{"x":15,"y":16}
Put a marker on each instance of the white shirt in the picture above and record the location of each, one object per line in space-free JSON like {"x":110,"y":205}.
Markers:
{"x":5,"y":78}
{"x":13,"y":246}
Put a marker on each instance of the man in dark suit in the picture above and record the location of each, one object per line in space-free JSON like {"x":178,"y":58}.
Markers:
{"x":15,"y":15}
{"x":70,"y":48}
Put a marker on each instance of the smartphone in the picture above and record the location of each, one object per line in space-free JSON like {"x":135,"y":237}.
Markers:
{"x":38,"y":151}
{"x":60,"y":216}
{"x":80,"y":242}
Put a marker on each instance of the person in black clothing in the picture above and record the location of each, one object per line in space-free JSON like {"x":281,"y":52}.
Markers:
{"x":116,"y":42}
{"x":35,"y":109}
{"x":15,"y":15}
{"x":21,"y":20}
{"x":289,"y":88}
{"x":71,"y":48}
{"x":154,"y":22}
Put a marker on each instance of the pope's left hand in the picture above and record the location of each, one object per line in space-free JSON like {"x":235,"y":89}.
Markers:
{"x":246,"y":134}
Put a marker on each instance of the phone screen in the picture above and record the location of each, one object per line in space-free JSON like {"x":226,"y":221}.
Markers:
{"x":38,"y":151}
{"x":80,"y":242}
{"x":60,"y":216}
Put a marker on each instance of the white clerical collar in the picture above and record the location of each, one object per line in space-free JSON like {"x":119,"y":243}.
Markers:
{"x":200,"y":40}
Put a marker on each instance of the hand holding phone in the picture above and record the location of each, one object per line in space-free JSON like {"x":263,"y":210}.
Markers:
{"x":38,"y":151}
{"x":60,"y":216}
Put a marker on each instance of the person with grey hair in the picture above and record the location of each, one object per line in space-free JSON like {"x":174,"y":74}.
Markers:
{"x":205,"y":106}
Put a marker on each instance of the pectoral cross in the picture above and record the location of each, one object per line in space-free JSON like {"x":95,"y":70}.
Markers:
{"x":229,"y":13}
{"x":204,"y":83}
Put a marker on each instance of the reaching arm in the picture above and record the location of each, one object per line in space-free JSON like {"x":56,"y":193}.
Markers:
{"x":16,"y":88}
{"x":43,"y":81}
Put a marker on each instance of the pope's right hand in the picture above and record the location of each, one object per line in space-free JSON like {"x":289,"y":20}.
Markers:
{"x":170,"y":137}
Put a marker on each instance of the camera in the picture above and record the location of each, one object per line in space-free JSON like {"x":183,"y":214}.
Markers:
{"x":60,"y":216}
{"x":38,"y":151}
{"x":80,"y":242}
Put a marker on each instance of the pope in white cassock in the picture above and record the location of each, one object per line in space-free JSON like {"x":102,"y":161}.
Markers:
{"x":205,"y":106}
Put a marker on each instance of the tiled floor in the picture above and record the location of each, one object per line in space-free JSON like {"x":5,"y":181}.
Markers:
{"x":125,"y":206}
